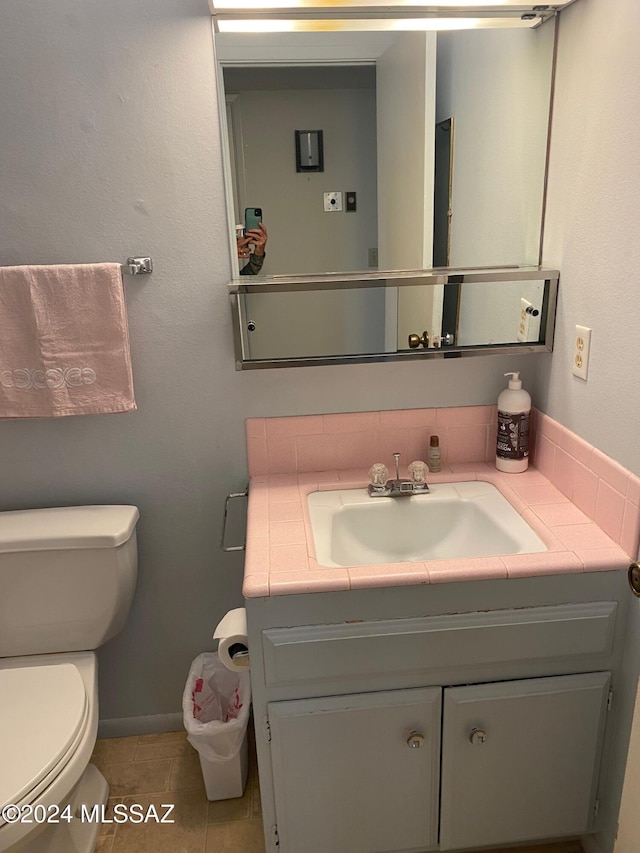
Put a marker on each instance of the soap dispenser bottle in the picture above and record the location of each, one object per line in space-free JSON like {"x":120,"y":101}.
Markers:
{"x":514,"y":412}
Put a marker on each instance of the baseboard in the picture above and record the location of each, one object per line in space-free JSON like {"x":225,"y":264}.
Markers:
{"x":127,"y":726}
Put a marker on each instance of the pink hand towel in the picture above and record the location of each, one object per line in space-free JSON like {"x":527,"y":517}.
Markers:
{"x":64,"y":341}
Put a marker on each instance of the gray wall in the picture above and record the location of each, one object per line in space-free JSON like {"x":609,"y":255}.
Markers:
{"x":592,"y":225}
{"x":591,"y":233}
{"x":109,"y":145}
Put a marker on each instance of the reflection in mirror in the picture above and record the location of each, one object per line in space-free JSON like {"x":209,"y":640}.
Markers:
{"x":380,"y":99}
{"x":349,"y":318}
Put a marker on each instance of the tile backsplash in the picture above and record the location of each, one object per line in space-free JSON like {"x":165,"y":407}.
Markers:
{"x":338,"y":442}
{"x":597,"y":484}
{"x":604,"y":490}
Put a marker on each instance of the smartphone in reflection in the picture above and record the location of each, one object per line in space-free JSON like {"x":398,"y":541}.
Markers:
{"x":252,"y":218}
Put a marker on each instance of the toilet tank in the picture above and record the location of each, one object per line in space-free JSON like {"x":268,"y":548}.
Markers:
{"x":67,"y":577}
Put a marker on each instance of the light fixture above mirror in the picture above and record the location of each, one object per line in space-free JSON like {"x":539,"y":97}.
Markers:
{"x":370,"y":15}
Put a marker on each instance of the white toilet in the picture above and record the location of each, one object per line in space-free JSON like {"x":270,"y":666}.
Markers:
{"x":67,"y":578}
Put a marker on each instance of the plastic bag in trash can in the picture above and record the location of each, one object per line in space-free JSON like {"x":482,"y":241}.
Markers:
{"x":215,"y":707}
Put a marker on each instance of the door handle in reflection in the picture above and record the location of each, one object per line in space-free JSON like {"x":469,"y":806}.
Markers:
{"x":415,"y":341}
{"x":437,"y":341}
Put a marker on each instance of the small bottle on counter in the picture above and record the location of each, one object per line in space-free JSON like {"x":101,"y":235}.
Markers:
{"x":433,"y":454}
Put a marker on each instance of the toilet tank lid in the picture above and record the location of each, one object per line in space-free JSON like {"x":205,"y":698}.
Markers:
{"x":59,"y":528}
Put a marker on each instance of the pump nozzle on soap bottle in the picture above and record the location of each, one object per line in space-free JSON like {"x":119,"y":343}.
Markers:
{"x":514,"y":413}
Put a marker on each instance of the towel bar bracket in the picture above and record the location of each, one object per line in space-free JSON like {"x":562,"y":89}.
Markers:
{"x":139,"y":266}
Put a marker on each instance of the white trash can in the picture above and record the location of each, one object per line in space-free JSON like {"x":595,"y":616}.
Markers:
{"x":226,"y":780}
{"x":215,"y":705}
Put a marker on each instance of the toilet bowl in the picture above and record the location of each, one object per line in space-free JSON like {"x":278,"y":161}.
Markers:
{"x":69,"y":576}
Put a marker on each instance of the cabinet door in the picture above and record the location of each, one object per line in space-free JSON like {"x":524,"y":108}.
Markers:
{"x":358,"y":773}
{"x":520,"y":759}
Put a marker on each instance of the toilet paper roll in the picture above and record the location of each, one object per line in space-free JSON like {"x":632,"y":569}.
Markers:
{"x":233,"y":645}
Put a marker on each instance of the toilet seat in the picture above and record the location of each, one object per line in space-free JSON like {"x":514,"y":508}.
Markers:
{"x":44,"y":712}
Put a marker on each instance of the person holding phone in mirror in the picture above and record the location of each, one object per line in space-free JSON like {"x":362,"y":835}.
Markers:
{"x":251,"y":244}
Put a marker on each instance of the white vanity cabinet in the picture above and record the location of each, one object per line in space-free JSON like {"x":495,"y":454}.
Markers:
{"x":361,"y":773}
{"x":357,"y":772}
{"x":385,"y":731}
{"x":520,"y":759}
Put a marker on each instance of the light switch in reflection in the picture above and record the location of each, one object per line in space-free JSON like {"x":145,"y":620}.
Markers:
{"x":332,"y":201}
{"x":524,"y":320}
{"x":528,"y":321}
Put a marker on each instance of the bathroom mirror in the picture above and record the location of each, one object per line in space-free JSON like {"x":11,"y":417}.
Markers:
{"x":389,"y":104}
{"x":435,"y":150}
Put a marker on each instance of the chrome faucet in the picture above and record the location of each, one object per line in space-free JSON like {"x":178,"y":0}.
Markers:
{"x":383,"y":487}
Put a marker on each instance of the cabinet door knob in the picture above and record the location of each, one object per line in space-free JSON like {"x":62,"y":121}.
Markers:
{"x":477,"y":736}
{"x":415,"y":740}
{"x":634,"y":579}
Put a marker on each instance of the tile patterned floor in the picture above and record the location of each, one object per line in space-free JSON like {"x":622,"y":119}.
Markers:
{"x":164,"y":768}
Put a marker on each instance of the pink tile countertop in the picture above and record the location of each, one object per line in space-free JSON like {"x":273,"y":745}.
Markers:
{"x":280,"y":555}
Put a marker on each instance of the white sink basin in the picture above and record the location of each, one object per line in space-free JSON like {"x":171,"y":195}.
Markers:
{"x":455,"y":520}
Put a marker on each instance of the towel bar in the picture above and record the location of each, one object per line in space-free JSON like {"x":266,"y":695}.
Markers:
{"x":229,"y":498}
{"x":137,"y":266}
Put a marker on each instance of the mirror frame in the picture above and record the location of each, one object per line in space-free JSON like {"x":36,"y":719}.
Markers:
{"x":396,"y":278}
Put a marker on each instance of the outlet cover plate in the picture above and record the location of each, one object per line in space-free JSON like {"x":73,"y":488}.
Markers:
{"x":581,"y":349}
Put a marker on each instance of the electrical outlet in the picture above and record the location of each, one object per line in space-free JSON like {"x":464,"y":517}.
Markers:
{"x":581,"y":348}
{"x":373,"y":257}
{"x":524,"y":320}
{"x":332,"y":201}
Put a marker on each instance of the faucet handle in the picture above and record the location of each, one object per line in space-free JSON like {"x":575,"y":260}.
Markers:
{"x":418,"y":472}
{"x":379,"y":474}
